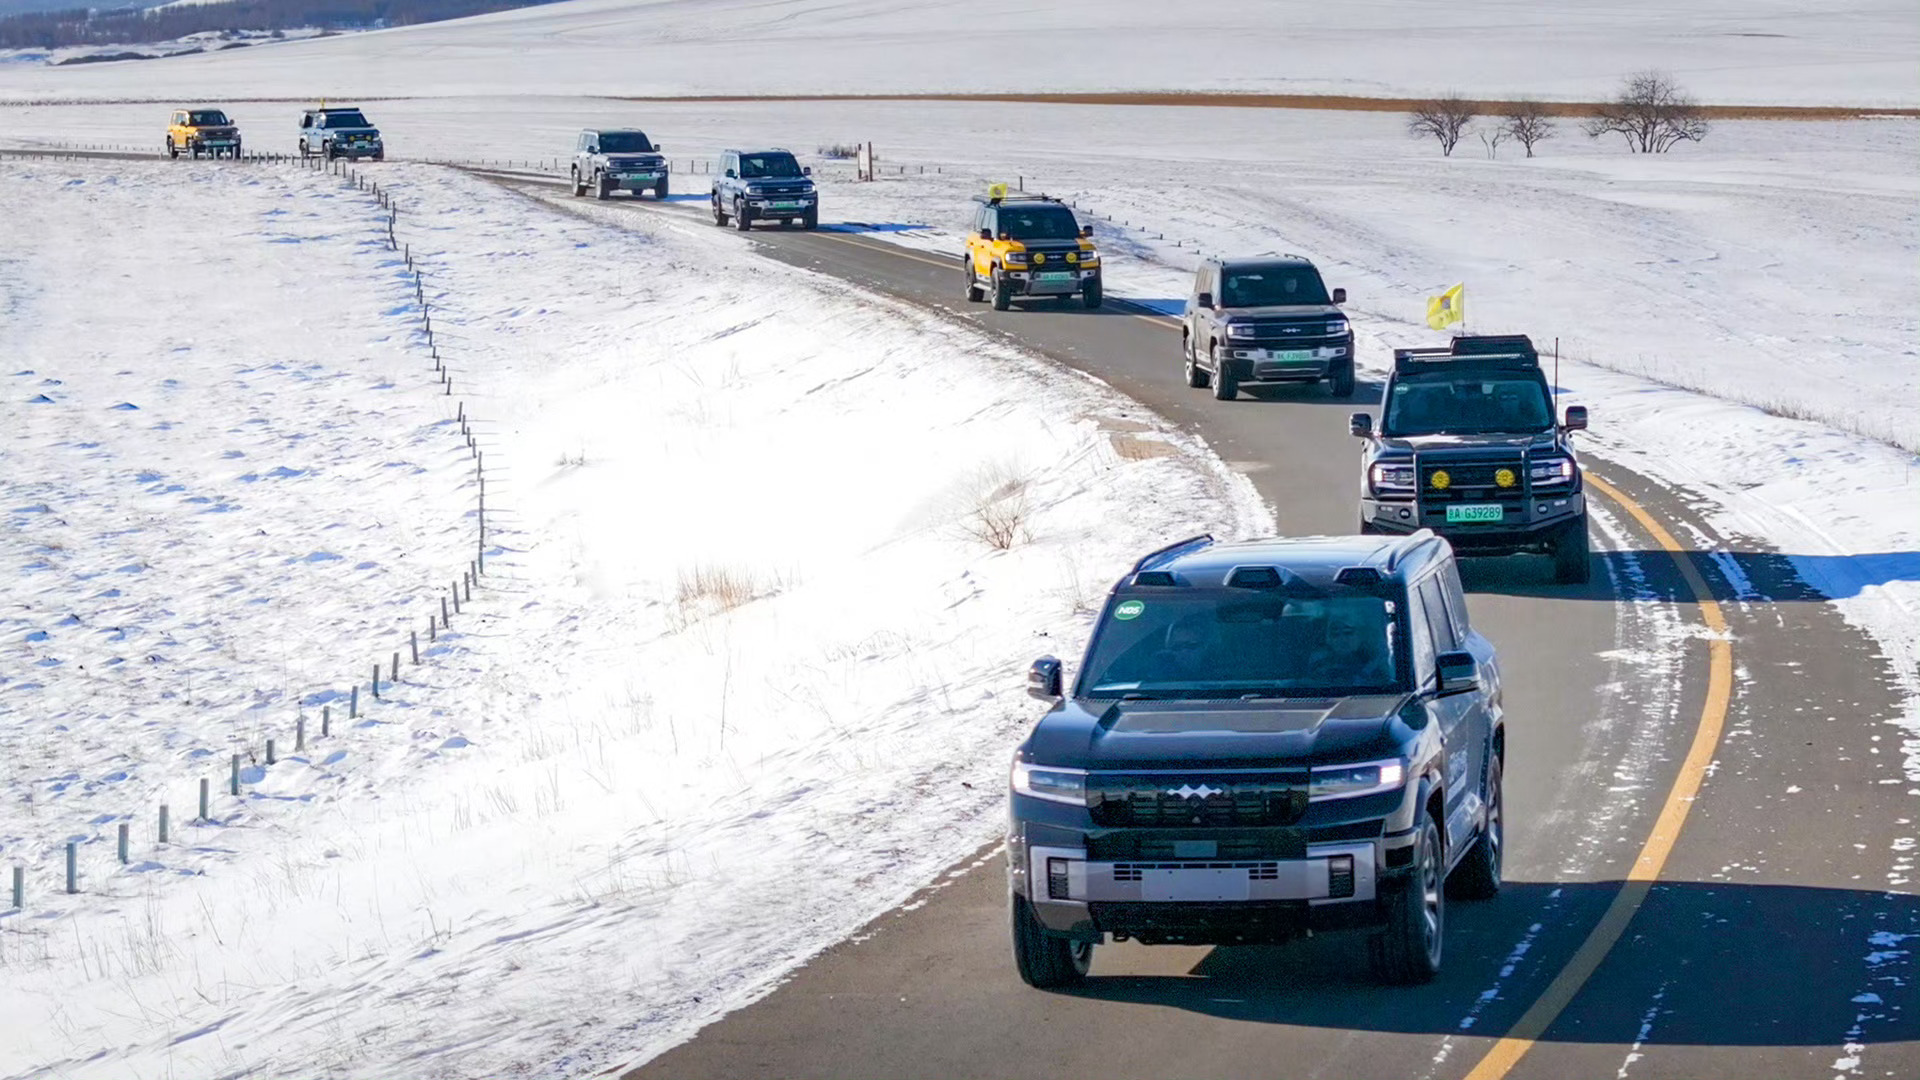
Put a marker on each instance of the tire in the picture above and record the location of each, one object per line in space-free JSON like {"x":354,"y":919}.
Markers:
{"x":172,"y":150}
{"x":975,"y":294}
{"x":742,"y":216}
{"x":1002,"y":292}
{"x":1045,"y":962}
{"x":379,"y":155}
{"x":719,"y":215}
{"x":1572,"y":555}
{"x":660,"y":191}
{"x":1196,"y":378}
{"x":579,"y":186}
{"x":1091,"y":294}
{"x":601,"y":189}
{"x":1407,"y":950}
{"x":1341,"y":381}
{"x":196,"y":153}
{"x":1225,"y":386}
{"x":811,"y":219}
{"x":1478,"y":875}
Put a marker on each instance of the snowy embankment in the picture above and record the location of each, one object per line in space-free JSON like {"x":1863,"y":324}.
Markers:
{"x":743,"y":675}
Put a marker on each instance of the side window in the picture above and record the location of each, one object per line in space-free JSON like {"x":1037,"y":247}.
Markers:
{"x":1438,"y":622}
{"x":993,"y":221}
{"x":1421,"y":637}
{"x":306,"y":120}
{"x":1200,"y":281}
{"x":1456,"y":601}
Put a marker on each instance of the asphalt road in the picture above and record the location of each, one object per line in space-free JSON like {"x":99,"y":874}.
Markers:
{"x":1706,"y":826}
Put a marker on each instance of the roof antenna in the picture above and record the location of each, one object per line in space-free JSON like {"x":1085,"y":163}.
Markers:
{"x":1556,"y":372}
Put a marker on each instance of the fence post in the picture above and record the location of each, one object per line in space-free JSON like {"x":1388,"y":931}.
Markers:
{"x":299,"y":734}
{"x":353,"y":703}
{"x":444,"y":620}
{"x":396,"y":665}
{"x":326,"y":720}
{"x":413,"y":640}
{"x":163,"y":823}
{"x":19,"y":888}
{"x":376,"y":680}
{"x":233,"y":778}
{"x":73,"y":867}
{"x":270,"y":758}
{"x":123,"y":843}
{"x":456,"y":598}
{"x":205,"y":786}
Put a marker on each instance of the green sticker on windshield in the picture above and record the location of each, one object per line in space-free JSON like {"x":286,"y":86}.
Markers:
{"x":1129,"y":609}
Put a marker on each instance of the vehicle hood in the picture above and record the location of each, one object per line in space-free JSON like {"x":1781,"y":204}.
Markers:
{"x":1283,"y":311}
{"x":1089,"y":734}
{"x":1048,"y":246}
{"x":1539,"y":441}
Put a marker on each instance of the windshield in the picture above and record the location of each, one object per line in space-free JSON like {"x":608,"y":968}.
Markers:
{"x":758,"y":166}
{"x":1272,"y":287}
{"x":624,"y":142}
{"x":344,"y":119}
{"x":1038,"y":223}
{"x":205,"y":117}
{"x":1232,"y":643}
{"x":1441,"y":403}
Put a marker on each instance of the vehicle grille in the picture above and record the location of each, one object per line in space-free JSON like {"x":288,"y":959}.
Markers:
{"x":1286,"y":333}
{"x":1474,"y":480}
{"x":1197,"y":800}
{"x":1256,"y":871}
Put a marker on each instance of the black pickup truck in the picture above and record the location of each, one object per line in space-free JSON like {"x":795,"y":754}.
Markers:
{"x":1468,"y":447}
{"x":1265,"y":738}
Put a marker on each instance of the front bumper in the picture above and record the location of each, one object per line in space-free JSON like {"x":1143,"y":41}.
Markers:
{"x":782,"y":206}
{"x":1527,"y":525}
{"x":636,"y":181}
{"x":1036,"y":281}
{"x":222,"y":142}
{"x":355,"y":149}
{"x":1288,"y":362}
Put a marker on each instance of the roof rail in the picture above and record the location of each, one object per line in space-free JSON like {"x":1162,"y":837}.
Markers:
{"x":1407,"y":546}
{"x":1172,"y":550}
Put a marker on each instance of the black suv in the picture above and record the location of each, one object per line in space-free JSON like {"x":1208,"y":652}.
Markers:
{"x":1468,"y":447}
{"x":762,"y":185}
{"x":1265,"y":320}
{"x":1265,"y":738}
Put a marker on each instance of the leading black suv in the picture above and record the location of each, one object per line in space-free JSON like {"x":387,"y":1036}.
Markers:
{"x":1468,"y":447}
{"x":765,"y":185}
{"x":1265,"y":320}
{"x":1265,"y":738}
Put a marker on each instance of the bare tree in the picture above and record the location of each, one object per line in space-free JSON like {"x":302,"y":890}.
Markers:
{"x":1492,"y":140}
{"x":1445,"y":119}
{"x":1526,"y":122}
{"x":1651,"y":113}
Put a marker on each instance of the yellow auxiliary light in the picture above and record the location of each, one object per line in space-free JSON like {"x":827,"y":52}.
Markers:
{"x":1504,"y":478}
{"x":1440,"y":480}
{"x":1073,"y":256}
{"x":1040,"y":257}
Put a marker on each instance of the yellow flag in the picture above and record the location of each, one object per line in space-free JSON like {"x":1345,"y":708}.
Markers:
{"x":996,"y":191}
{"x":1448,"y":308}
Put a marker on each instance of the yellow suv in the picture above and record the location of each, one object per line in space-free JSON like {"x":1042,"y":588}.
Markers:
{"x":1029,"y":246}
{"x":198,"y":131}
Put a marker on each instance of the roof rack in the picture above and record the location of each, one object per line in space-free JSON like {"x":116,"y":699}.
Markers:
{"x":1481,"y":350}
{"x":1172,"y":551}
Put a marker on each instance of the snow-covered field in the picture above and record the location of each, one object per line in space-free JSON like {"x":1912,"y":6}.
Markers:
{"x":1749,"y":51}
{"x":742,"y":675}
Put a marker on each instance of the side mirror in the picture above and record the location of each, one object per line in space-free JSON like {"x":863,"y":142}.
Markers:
{"x":986,"y":234}
{"x":1204,"y":300}
{"x":1576,"y":418}
{"x":1086,"y":230}
{"x":806,"y":170}
{"x":731,"y":176}
{"x":1043,"y":679}
{"x":1459,"y":673}
{"x":1361,"y":425}
{"x":658,"y":149}
{"x":1339,"y":296}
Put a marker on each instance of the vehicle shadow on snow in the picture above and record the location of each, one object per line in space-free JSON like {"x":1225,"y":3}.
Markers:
{"x":1730,"y":576}
{"x":1729,"y":964}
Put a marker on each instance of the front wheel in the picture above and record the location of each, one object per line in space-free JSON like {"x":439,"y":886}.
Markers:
{"x":1046,"y":962}
{"x":810,"y":220}
{"x":1002,"y":292}
{"x":741,"y":220}
{"x":1091,"y":294}
{"x":602,"y":190}
{"x":1407,"y":950}
{"x":1225,"y":386}
{"x":1341,"y":381}
{"x":1478,"y":875}
{"x":660,"y":191}
{"x":1572,"y":555}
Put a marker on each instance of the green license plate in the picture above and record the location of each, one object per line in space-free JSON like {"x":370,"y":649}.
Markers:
{"x":1053,"y":276}
{"x":1292,"y":356}
{"x":785,"y":205}
{"x":1475,"y":513}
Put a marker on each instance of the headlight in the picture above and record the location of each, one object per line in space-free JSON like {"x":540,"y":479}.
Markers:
{"x":1337,"y":326}
{"x":1349,"y":781}
{"x":1016,"y":258}
{"x":1054,"y":785}
{"x":1551,"y":471}
{"x":1386,"y":476}
{"x":1089,"y":257}
{"x":1240,"y":330}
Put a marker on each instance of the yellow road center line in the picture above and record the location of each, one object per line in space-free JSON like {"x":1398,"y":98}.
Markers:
{"x":1533,"y":1024}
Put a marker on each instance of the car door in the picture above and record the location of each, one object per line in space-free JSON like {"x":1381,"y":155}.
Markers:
{"x":982,"y":247}
{"x":1463,"y":723}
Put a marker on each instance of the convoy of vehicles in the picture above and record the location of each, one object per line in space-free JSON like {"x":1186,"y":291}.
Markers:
{"x":1265,"y":739}
{"x":764,"y":185}
{"x":1029,"y":247}
{"x":606,"y":160}
{"x":1468,"y":446}
{"x":1265,"y":320}
{"x":202,"y":131}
